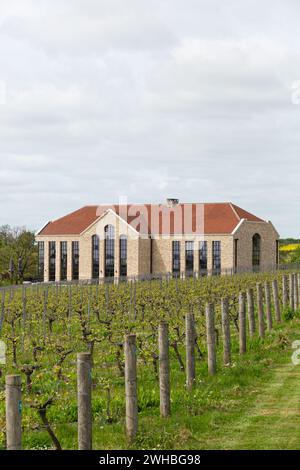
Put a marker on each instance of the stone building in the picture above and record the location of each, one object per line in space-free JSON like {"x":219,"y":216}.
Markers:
{"x":126,"y":241}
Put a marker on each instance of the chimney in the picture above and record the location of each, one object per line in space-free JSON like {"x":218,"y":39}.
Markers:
{"x":172,"y":202}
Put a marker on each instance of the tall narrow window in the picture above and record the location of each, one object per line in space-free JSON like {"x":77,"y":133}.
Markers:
{"x":203,"y":256}
{"x":216,"y":255}
{"x":41,"y":260}
{"x":95,"y":256}
{"x":235,"y":253}
{"x":75,"y":261}
{"x":52,"y":261}
{"x":63,"y":260}
{"x":189,"y":257}
{"x":123,"y":255}
{"x":176,"y":257}
{"x":256,"y":242}
{"x":109,"y":232}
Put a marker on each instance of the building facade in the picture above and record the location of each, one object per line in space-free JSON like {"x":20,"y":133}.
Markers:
{"x":137,"y":241}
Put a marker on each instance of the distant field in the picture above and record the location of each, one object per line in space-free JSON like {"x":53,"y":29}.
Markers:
{"x":290,"y":247}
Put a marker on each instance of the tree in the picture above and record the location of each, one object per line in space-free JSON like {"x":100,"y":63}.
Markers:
{"x":18,"y":254}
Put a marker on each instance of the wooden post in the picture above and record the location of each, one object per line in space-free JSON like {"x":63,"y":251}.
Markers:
{"x":285,"y":292}
{"x":164,"y":369}
{"x":296,"y":291}
{"x":268,"y":306}
{"x":211,"y":341}
{"x":276,"y":300}
{"x":13,"y":412}
{"x":242,"y":322}
{"x":226,"y":331}
{"x":131,"y":387}
{"x":251,"y":317}
{"x":84,"y":391}
{"x":190,"y":350}
{"x":291,"y":290}
{"x":260,"y":309}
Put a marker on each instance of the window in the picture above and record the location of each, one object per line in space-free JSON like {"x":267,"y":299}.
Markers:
{"x":189,"y":257}
{"x":109,"y":232}
{"x":95,"y":256}
{"x":75,"y":261}
{"x":63,"y":260}
{"x":123,"y":255}
{"x":216,"y":254}
{"x":41,"y":260}
{"x":203,"y":256}
{"x":52,"y":261}
{"x":176,"y":257}
{"x":256,"y":242}
{"x":235,"y":253}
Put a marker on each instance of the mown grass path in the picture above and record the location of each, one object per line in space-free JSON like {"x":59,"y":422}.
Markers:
{"x":273,"y":422}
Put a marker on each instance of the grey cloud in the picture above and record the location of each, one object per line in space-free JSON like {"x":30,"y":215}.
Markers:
{"x":148,"y":99}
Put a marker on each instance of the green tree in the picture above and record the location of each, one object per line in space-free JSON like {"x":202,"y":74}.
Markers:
{"x":18,"y":254}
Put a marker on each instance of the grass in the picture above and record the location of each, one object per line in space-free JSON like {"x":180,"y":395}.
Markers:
{"x":254,"y":404}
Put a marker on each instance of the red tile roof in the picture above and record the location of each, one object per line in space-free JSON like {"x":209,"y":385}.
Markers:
{"x":207,"y":218}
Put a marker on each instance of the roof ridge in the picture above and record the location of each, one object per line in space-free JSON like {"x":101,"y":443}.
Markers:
{"x":234,"y":211}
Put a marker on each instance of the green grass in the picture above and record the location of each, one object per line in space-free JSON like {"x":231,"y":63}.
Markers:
{"x":254,"y":404}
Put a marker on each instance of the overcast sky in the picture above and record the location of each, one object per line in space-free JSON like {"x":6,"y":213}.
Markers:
{"x":149,"y":99}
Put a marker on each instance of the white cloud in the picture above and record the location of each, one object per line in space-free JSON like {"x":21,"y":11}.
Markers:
{"x":148,"y":99}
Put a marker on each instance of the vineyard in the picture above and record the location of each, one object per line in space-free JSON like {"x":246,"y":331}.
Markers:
{"x":45,"y":327}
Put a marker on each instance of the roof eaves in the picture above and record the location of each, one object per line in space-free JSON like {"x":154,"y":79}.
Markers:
{"x":238,"y":226}
{"x":104,"y":214}
{"x":42,"y":228}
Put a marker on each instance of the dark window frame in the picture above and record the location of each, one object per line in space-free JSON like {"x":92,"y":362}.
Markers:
{"x":63,"y":261}
{"x":52,"y":261}
{"x":109,"y":250}
{"x":189,"y":257}
{"x":75,"y":260}
{"x":41,"y":260}
{"x":216,"y":256}
{"x":236,"y":243}
{"x":256,"y":251}
{"x":95,"y":256}
{"x":203,"y":256}
{"x":123,"y":255}
{"x":176,"y":256}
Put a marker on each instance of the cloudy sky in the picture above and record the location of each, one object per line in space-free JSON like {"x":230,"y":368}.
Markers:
{"x":194,"y":99}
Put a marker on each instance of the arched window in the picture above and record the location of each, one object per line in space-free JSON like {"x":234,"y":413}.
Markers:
{"x":123,"y":255}
{"x":256,"y":246}
{"x":109,"y":233}
{"x":95,"y":256}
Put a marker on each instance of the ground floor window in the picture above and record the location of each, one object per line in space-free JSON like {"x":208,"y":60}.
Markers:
{"x":109,"y":251}
{"x":95,"y":256}
{"x":41,"y":259}
{"x":203,"y":256}
{"x":189,"y":257}
{"x":176,"y":257}
{"x":63,"y":260}
{"x":256,"y":243}
{"x":235,"y":253}
{"x":123,"y":255}
{"x":216,"y":255}
{"x":75,"y":261}
{"x":52,"y":261}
